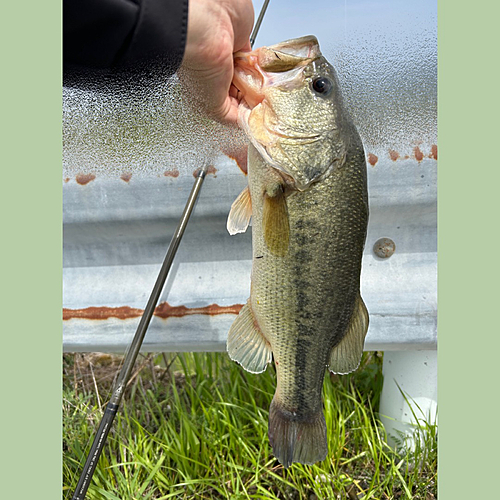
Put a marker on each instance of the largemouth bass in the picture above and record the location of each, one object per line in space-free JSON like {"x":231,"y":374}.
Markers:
{"x":308,"y":201}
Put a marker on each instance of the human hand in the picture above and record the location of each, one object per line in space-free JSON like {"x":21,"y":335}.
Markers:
{"x":216,"y":29}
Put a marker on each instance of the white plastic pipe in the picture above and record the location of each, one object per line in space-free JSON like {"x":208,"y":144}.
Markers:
{"x":415,"y":372}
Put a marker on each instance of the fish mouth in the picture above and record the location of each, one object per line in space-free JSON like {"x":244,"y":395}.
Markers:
{"x":266,"y":66}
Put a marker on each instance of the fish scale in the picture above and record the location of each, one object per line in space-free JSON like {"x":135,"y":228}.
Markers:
{"x":309,"y":209}
{"x":297,"y":275}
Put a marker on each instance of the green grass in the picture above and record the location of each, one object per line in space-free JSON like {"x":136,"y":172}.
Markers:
{"x":198,"y":429}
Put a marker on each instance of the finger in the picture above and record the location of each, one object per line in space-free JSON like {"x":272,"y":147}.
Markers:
{"x":209,"y":87}
{"x":247,"y":47}
{"x":231,"y":115}
{"x":220,"y":86}
{"x":242,"y":19}
{"x":228,"y":112}
{"x":233,"y":91}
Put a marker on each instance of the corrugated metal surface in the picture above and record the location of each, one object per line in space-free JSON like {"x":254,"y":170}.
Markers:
{"x":117,"y":227}
{"x":117,"y":230}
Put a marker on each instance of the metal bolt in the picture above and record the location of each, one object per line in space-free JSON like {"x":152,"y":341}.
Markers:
{"x":384,"y":248}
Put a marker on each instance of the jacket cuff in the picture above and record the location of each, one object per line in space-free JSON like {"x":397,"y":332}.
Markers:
{"x":159,"y":35}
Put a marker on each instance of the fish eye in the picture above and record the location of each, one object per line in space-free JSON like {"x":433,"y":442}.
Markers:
{"x":322,"y":85}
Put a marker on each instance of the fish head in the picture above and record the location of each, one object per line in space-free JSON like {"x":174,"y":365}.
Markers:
{"x":291,"y":109}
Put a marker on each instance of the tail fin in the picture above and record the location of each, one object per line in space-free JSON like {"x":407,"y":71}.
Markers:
{"x":296,"y":439}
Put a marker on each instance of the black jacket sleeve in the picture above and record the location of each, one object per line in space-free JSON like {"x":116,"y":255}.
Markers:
{"x":123,"y":34}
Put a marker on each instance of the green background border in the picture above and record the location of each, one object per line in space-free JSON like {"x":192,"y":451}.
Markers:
{"x":32,"y":258}
{"x":31,"y":250}
{"x":468,"y":216}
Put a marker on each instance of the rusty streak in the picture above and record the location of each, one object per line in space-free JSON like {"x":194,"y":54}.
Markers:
{"x":372,"y":159}
{"x":394,"y":155}
{"x":171,"y":173}
{"x":163,"y":310}
{"x":126,"y":177}
{"x":84,"y":178}
{"x":123,"y":312}
{"x":211,"y":170}
{"x":419,"y":156}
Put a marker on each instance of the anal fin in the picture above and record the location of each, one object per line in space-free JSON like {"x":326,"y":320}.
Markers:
{"x":245,"y":343}
{"x":346,"y":356}
{"x":240,"y":213}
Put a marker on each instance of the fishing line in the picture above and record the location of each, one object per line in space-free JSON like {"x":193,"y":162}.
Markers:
{"x":133,"y":350}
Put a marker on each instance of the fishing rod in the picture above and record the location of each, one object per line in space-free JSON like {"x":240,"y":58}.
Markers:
{"x":133,"y":350}
{"x":256,"y":28}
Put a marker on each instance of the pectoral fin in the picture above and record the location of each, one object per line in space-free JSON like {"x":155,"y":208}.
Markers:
{"x":345,"y":357}
{"x":275,"y":224}
{"x":245,"y":343}
{"x":240,"y":213}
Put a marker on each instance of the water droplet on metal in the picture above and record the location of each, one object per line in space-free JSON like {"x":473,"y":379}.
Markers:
{"x":384,"y":248}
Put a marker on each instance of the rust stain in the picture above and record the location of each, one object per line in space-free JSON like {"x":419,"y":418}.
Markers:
{"x":419,"y":156}
{"x":211,"y":170}
{"x":171,"y":173}
{"x":394,"y":155}
{"x":123,"y":312}
{"x":163,"y":310}
{"x":67,"y":179}
{"x":372,"y":159}
{"x":126,"y":177}
{"x":84,"y":178}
